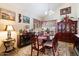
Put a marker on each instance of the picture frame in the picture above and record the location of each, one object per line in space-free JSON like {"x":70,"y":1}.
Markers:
{"x":20,"y":18}
{"x":7,"y":14}
{"x":26,"y":19}
{"x":65,"y":11}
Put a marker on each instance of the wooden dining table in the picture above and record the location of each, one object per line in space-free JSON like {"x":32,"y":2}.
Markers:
{"x":42,"y":39}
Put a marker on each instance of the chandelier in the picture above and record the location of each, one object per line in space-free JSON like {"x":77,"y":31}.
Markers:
{"x":49,"y":12}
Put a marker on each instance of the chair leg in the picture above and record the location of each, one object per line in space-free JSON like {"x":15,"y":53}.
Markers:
{"x":37,"y":53}
{"x":53,"y":51}
{"x":44,"y":50}
{"x":31,"y":51}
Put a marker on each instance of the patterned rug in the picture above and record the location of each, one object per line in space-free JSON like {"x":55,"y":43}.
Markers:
{"x":64,"y":49}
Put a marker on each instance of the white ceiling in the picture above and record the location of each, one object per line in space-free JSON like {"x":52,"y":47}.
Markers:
{"x":36,"y":10}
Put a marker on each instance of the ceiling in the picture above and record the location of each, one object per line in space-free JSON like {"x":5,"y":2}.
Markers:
{"x":36,"y":10}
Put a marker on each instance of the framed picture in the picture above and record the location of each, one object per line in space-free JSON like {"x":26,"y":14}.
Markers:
{"x":65,"y":11}
{"x":20,"y":18}
{"x":26,"y":19}
{"x":7,"y":15}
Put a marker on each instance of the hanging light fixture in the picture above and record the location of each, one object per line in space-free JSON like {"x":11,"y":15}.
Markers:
{"x":50,"y":12}
{"x":46,"y":12}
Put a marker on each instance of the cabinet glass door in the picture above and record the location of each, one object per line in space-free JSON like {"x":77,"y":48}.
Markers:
{"x":63,"y":27}
{"x":67,"y":28}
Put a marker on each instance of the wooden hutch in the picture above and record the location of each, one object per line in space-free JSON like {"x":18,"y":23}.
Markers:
{"x":66,"y":30}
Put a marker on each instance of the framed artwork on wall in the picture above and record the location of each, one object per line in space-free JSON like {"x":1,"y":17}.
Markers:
{"x":7,"y":14}
{"x":20,"y":18}
{"x":65,"y":11}
{"x":26,"y":19}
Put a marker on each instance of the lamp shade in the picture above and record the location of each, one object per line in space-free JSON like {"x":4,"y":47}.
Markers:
{"x":9,"y":27}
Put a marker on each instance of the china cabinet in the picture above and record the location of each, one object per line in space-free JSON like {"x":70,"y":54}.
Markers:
{"x":66,"y":30}
{"x":67,"y":25}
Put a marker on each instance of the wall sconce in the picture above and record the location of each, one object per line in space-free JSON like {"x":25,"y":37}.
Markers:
{"x":9,"y":28}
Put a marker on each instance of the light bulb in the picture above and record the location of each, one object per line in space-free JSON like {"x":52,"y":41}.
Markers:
{"x":46,"y":13}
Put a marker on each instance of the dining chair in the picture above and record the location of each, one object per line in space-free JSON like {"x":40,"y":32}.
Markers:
{"x":36,"y":45}
{"x":52,"y":44}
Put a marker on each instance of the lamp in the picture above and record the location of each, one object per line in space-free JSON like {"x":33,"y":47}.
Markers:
{"x":9,"y":28}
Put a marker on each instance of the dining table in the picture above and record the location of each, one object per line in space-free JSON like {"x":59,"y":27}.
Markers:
{"x":42,"y":39}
